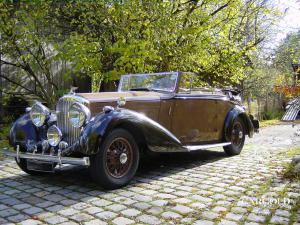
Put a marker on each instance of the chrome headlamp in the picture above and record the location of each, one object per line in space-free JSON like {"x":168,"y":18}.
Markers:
{"x":79,"y":115}
{"x":54,"y":135}
{"x":39,"y":114}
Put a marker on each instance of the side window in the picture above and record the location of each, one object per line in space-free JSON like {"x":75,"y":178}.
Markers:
{"x":185,"y":84}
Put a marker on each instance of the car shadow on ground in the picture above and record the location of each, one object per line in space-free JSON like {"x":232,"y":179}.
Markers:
{"x":163,"y":164}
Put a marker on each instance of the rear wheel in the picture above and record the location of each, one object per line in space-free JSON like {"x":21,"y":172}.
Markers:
{"x":237,"y":138}
{"x":117,"y":160}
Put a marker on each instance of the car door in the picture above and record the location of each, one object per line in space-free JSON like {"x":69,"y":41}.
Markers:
{"x":194,"y":116}
{"x":194,"y":119}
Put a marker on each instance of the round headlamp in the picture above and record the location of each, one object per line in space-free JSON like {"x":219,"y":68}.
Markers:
{"x":79,"y":115}
{"x":38,"y":114}
{"x":54,"y":135}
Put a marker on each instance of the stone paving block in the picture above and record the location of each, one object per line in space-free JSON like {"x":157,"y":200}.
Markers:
{"x":55,"y":208}
{"x":131,"y":212}
{"x":21,"y":206}
{"x":182,"y":200}
{"x":227,"y":222}
{"x":279,"y":220}
{"x":68,"y":202}
{"x":93,"y":210}
{"x":170,"y":215}
{"x":3,"y":207}
{"x":203,"y":222}
{"x":81,"y":217}
{"x":218,"y":209}
{"x":33,"y":200}
{"x":283,"y":213}
{"x":32,"y":210}
{"x":147,"y":219}
{"x":201,"y":199}
{"x":116,"y":207}
{"x":234,"y":216}
{"x":261,"y":211}
{"x":198,"y":205}
{"x":142,"y":205}
{"x":181,"y":209}
{"x":156,"y":210}
{"x":122,"y":221}
{"x":10,"y":201}
{"x":17,"y":218}
{"x":95,"y":222}
{"x":68,"y":212}
{"x":239,"y":210}
{"x":106,"y":215}
{"x":160,"y":202}
{"x":69,"y":223}
{"x":256,"y":218}
{"x":45,"y":204}
{"x":30,"y":222}
{"x":8,"y":212}
{"x":54,"y":197}
{"x":209,"y":215}
{"x":251,"y":223}
{"x":101,"y":203}
{"x":55,"y":219}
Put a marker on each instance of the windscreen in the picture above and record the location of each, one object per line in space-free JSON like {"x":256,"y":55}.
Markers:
{"x":149,"y":82}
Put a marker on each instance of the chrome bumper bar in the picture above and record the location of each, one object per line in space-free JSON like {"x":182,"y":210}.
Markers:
{"x":85,"y":161}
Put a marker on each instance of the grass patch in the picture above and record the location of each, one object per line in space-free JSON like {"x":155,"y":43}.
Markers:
{"x":289,"y":172}
{"x":4,"y":132}
{"x":267,"y":123}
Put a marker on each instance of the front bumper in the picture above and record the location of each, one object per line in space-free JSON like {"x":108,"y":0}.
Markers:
{"x":85,"y":161}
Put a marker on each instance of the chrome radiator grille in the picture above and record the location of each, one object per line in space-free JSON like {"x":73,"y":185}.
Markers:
{"x":70,"y":134}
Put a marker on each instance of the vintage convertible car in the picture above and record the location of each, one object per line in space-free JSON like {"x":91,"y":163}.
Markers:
{"x":109,"y":131}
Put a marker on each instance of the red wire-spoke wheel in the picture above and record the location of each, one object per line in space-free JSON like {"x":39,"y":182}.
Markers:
{"x":237,"y":134}
{"x":119,"y":157}
{"x":237,"y":138}
{"x":116,"y":161}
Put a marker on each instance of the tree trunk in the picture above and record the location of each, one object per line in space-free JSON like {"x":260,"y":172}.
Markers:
{"x":249,"y":104}
{"x":258,"y":109}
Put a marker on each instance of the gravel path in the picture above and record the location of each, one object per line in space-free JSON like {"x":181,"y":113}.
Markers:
{"x":205,"y":187}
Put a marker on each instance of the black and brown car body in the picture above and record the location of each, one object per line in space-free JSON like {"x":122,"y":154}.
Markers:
{"x":120,"y":126}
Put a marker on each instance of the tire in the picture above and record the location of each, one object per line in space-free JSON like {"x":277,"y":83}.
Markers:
{"x":117,"y":160}
{"x":237,"y":138}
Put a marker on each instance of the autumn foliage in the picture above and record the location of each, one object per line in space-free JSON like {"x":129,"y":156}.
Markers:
{"x":287,"y":90}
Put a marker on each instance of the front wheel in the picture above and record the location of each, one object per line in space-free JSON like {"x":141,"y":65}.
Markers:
{"x":237,"y":138}
{"x":117,"y":160}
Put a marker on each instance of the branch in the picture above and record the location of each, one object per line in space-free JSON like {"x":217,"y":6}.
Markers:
{"x":10,"y":64}
{"x":220,"y":8}
{"x":16,"y":83}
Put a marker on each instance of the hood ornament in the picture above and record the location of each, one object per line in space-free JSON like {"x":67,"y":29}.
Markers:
{"x":72,"y":90}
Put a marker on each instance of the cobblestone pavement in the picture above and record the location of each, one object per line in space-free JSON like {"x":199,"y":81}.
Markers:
{"x":204,"y":187}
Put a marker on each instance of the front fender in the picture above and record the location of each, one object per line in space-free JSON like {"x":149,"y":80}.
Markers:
{"x":235,"y":112}
{"x":156,"y":137}
{"x":23,"y":131}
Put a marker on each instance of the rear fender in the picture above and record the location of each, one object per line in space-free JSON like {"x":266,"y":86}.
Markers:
{"x":235,"y":112}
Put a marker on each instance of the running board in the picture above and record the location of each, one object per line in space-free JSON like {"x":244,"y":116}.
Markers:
{"x":200,"y":147}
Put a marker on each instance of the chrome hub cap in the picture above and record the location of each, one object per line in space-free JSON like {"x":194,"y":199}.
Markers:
{"x":123,"y":158}
{"x":240,"y":134}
